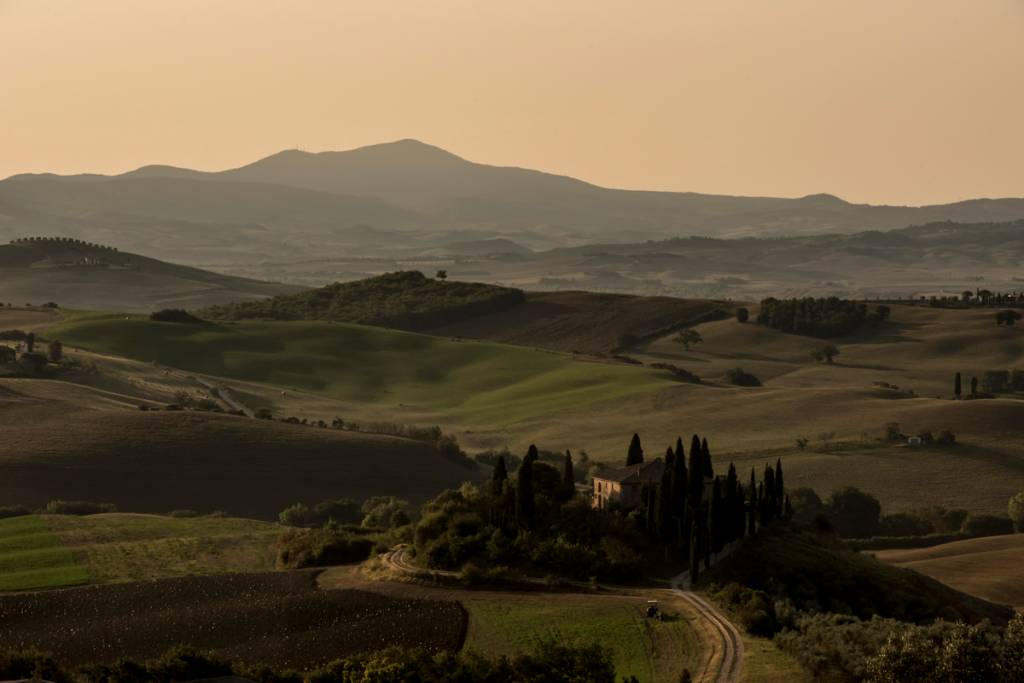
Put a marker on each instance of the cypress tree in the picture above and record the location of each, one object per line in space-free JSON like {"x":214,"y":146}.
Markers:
{"x":499,"y":476}
{"x":694,"y":555}
{"x":569,"y":475}
{"x":709,"y":471}
{"x":705,"y":543}
{"x":716,"y":521}
{"x":732,"y":520}
{"x":679,"y":482}
{"x":780,"y":487}
{"x":524,"y":490}
{"x":635,"y":455}
{"x":740,"y":510}
{"x":665,"y":505}
{"x":974,"y":386}
{"x":787,"y":510}
{"x":696,"y":474}
{"x":768,"y":500}
{"x":956,"y":385}
{"x":752,"y":508}
{"x":650,"y":498}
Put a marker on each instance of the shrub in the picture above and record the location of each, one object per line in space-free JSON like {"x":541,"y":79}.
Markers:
{"x":742,"y":378}
{"x":742,"y":315}
{"x":1016,"y":511}
{"x":298,"y":515}
{"x":322,"y":547}
{"x":8,"y":511}
{"x":678,"y":373}
{"x":182,"y":514}
{"x":78,"y":507}
{"x":174,"y":315}
{"x":987,"y":525}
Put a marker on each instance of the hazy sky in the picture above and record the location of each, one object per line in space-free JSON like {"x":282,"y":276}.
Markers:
{"x":896,"y":101}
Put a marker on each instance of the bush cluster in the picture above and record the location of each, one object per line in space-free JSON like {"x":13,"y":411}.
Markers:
{"x":78,"y":507}
{"x":548,"y":663}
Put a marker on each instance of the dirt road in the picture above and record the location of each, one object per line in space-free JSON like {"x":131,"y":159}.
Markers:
{"x":725,"y":655}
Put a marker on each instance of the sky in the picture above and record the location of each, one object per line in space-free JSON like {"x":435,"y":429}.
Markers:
{"x":880,"y":101}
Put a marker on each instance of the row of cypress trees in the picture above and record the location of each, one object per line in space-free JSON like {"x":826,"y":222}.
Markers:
{"x":695,"y":513}
{"x":690,"y":511}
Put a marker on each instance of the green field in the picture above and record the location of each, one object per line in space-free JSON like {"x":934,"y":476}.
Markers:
{"x":33,"y":556}
{"x":474,"y":382}
{"x":653,"y":651}
{"x":46,"y":551}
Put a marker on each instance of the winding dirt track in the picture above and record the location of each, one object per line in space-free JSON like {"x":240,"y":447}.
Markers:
{"x":725,"y":663}
{"x":725,"y":659}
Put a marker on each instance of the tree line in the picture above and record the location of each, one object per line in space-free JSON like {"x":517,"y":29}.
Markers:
{"x":821,"y":317}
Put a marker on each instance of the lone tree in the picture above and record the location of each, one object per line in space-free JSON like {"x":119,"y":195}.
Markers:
{"x":957,"y":389}
{"x":635,"y":455}
{"x":742,"y":315}
{"x":688,"y":337}
{"x":30,"y":342}
{"x":974,"y":386}
{"x":56,"y":351}
{"x":442,"y":275}
{"x":825,"y":352}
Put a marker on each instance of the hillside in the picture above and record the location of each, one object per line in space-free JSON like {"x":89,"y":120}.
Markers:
{"x":584,"y":322}
{"x":404,"y":300}
{"x":372,"y":369}
{"x":408,"y":197}
{"x":819,"y":573}
{"x":78,"y":275}
{"x":63,"y":441}
{"x":986,"y":567}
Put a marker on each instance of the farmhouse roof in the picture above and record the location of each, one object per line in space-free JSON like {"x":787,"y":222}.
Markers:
{"x":644,"y":473}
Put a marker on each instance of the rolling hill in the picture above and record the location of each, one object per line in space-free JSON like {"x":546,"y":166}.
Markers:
{"x":479,"y":383}
{"x":986,"y":567}
{"x":69,"y":442}
{"x":415,"y":197}
{"x":583,"y":322}
{"x":79,"y":275}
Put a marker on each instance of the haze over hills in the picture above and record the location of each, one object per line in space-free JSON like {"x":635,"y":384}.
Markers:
{"x":406,"y":197}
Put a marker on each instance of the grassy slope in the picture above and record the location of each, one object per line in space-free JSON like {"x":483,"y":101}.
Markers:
{"x":584,"y":322}
{"x":986,"y":567}
{"x":48,"y":551}
{"x":33,"y":556}
{"x":66,"y":441}
{"x":506,"y":627}
{"x":122,"y":547}
{"x":819,"y":573}
{"x":475,"y":383}
{"x":508,"y":621}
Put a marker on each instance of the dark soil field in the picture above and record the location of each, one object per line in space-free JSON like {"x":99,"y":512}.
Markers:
{"x":54,"y":447}
{"x":585,"y":322}
{"x":278,"y":619}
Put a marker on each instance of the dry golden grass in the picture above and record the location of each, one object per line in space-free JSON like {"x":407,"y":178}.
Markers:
{"x":989,"y":568}
{"x":30,"y":319}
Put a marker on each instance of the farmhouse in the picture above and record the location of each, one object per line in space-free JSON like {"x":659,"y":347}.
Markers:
{"x":625,"y":485}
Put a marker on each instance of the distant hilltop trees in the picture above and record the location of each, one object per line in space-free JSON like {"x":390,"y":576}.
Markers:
{"x":824,"y":318}
{"x":62,"y":241}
